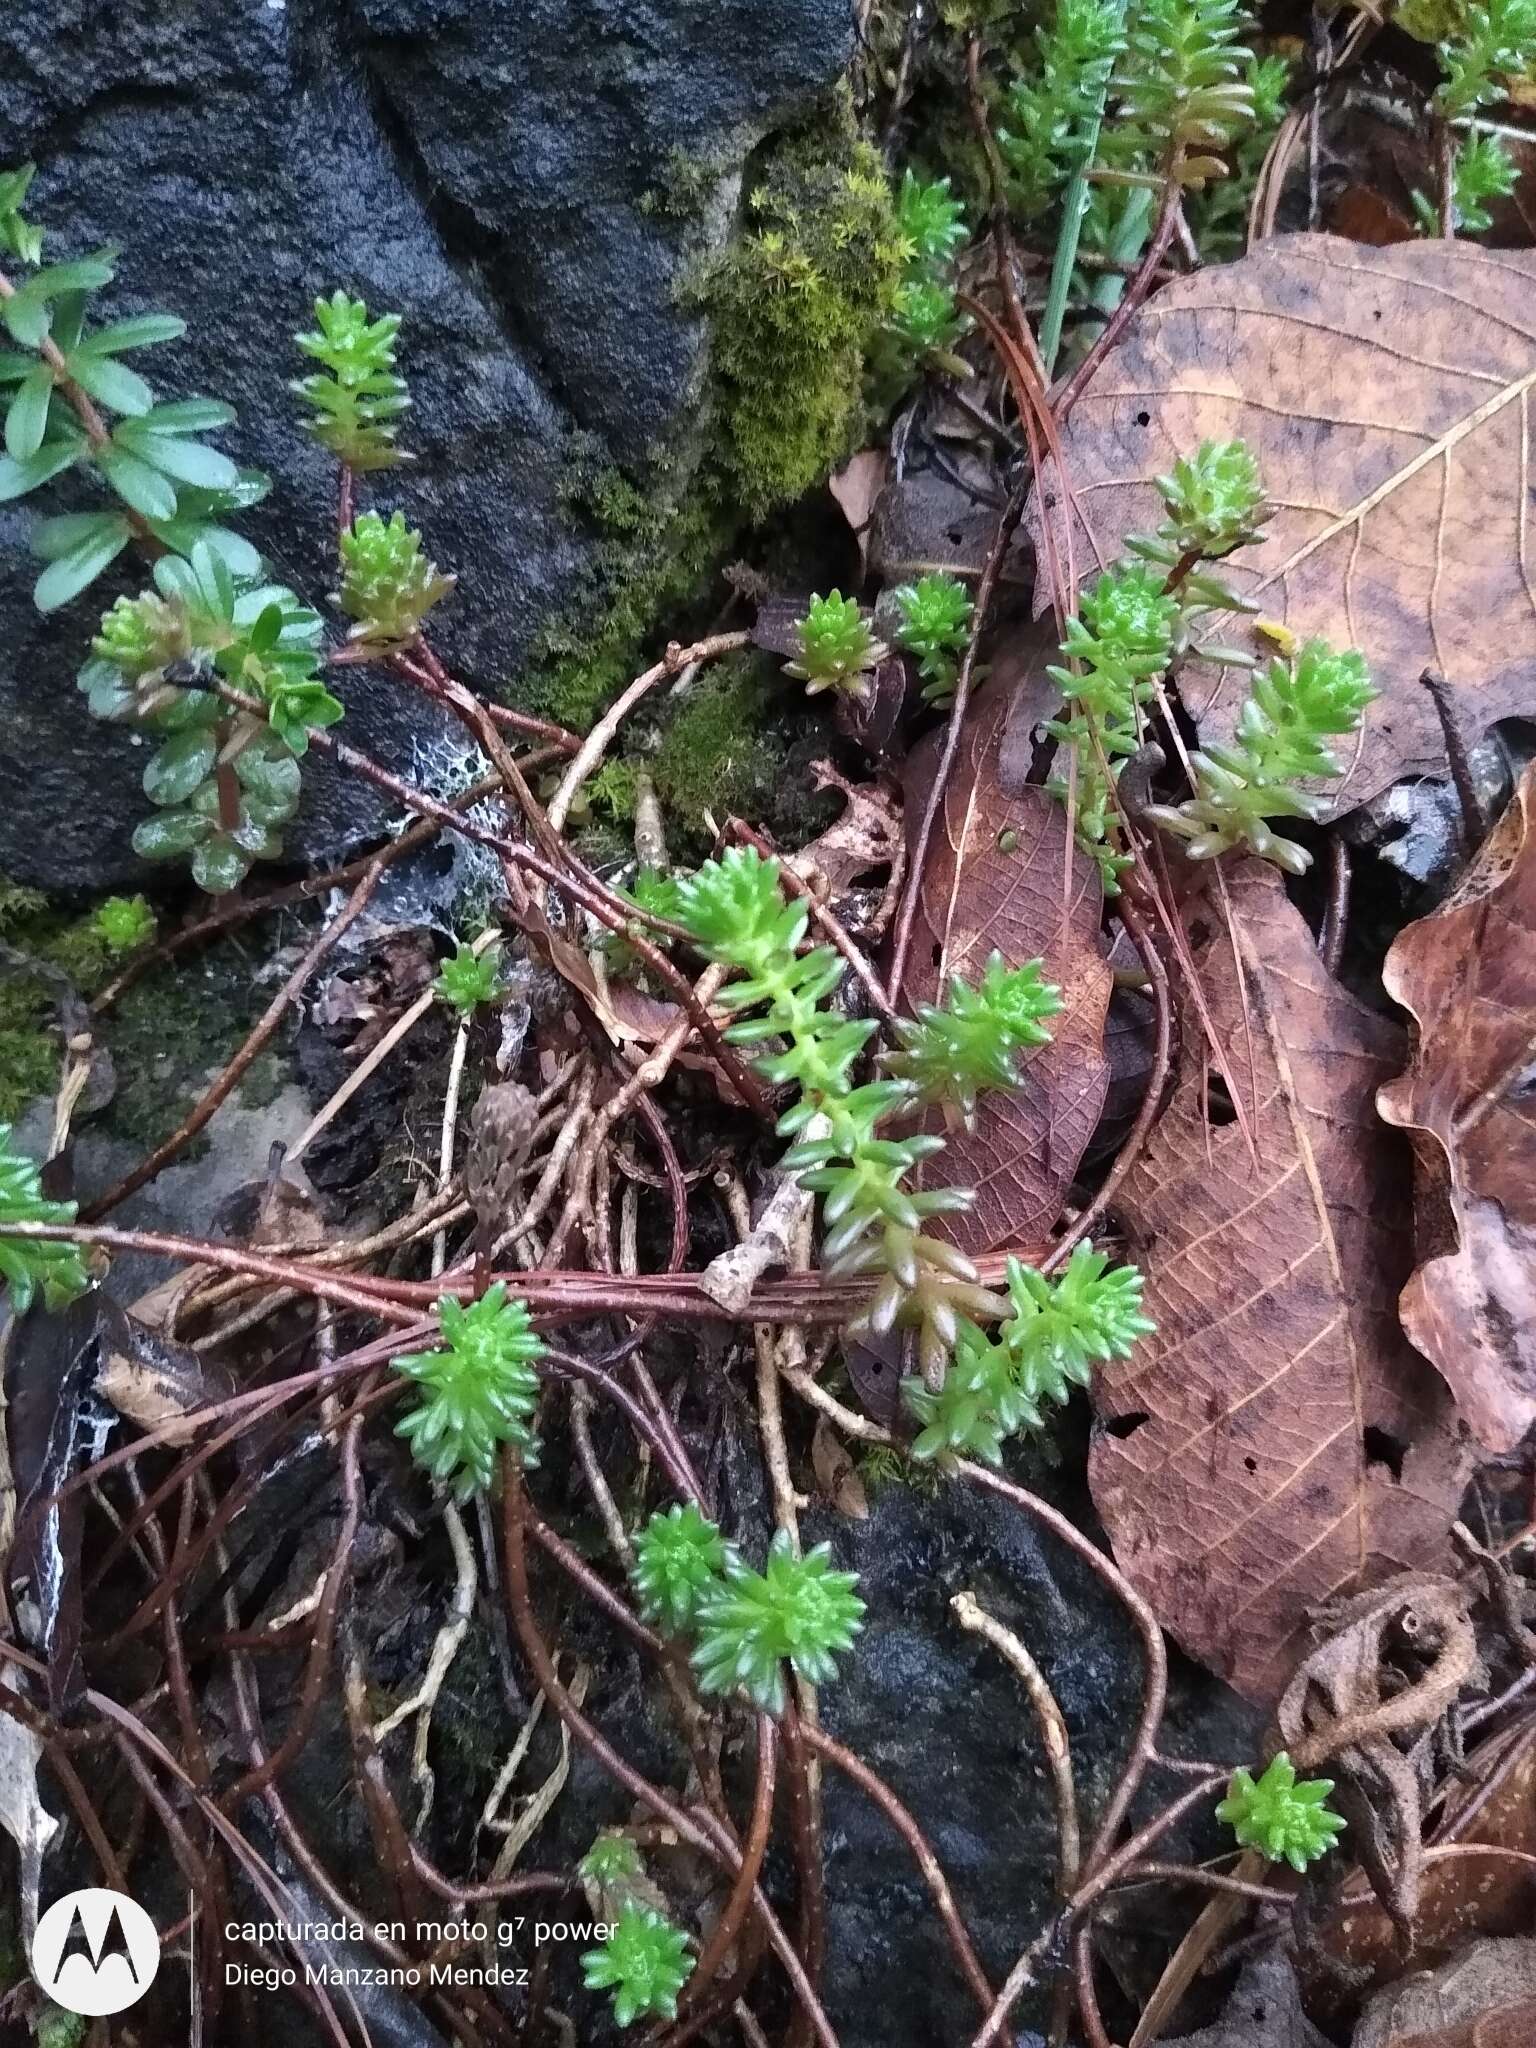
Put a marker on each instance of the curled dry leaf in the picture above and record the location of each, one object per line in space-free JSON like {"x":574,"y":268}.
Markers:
{"x":1484,"y":1998}
{"x":1387,"y":395}
{"x":1467,"y":975}
{"x":1490,"y":1803}
{"x":1002,"y":874}
{"x":1276,"y":1444}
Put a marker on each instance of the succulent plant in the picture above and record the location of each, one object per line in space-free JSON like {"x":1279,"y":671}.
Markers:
{"x":356,"y":395}
{"x":935,"y":614}
{"x":31,"y":1266}
{"x":679,"y":1557}
{"x":951,"y":1053}
{"x":468,"y":978}
{"x":1293,"y":709}
{"x":930,"y":220}
{"x":477,"y":1391}
{"x":836,"y":648}
{"x":125,"y":923}
{"x":797,"y":1609}
{"x":388,"y":585}
{"x":1284,"y":1818}
{"x":644,"y":1962}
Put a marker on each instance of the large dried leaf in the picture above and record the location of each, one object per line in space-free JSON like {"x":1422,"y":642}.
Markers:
{"x":1468,"y":975}
{"x":1387,"y":395}
{"x":1245,"y":1473}
{"x":1002,"y":874}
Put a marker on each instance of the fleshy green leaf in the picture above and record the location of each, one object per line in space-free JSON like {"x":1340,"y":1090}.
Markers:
{"x":170,"y":833}
{"x":17,"y":478}
{"x":139,"y":486}
{"x":74,"y":572}
{"x":110,"y":382}
{"x":181,"y":766}
{"x":141,"y":332}
{"x":219,"y":865}
{"x":26,"y":420}
{"x":187,"y":461}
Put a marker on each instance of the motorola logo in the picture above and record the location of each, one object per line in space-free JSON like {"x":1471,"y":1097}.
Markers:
{"x":95,"y":1952}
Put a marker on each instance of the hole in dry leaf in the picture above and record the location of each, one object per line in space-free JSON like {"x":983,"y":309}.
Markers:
{"x":1219,"y":1110}
{"x":938,"y":954}
{"x":1123,"y":1426}
{"x":1199,"y":932}
{"x":1383,"y":1448}
{"x":1143,"y":419}
{"x":1250,"y":1464}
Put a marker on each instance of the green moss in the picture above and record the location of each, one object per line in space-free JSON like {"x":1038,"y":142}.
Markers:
{"x":171,"y":1031}
{"x":741,"y":740}
{"x":29,"y":1052}
{"x":684,"y":189}
{"x":651,"y":560}
{"x":795,"y":304}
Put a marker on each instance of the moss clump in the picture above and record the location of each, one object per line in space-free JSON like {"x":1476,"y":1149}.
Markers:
{"x":795,"y":303}
{"x":651,"y":560}
{"x":171,"y":1031}
{"x":685,"y":187}
{"x":737,"y":741}
{"x":31,"y":925}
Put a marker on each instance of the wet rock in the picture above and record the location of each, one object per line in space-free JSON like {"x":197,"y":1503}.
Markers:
{"x":507,"y":176}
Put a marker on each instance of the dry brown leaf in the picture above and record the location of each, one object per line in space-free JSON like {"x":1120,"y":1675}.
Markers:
{"x":837,"y":1476}
{"x":1240,"y":1473}
{"x":856,"y":487}
{"x":1387,"y":394}
{"x":1467,"y":974}
{"x":1491,"y":1804}
{"x":1483,"y":1999}
{"x":1001,"y":873}
{"x":1264,"y":2011}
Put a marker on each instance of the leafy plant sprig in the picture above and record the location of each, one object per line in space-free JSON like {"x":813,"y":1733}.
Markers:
{"x":644,"y":1962}
{"x":950,"y":1054}
{"x":738,"y":915}
{"x":388,"y":585}
{"x":1492,"y":46}
{"x":837,"y":650}
{"x":1183,"y":81}
{"x":357,"y":395}
{"x":1285,"y":1818}
{"x":931,"y":225}
{"x":1483,"y":169}
{"x":124,"y":923}
{"x":469,"y":978}
{"x":1294,"y":707}
{"x":797,"y":1610}
{"x":225,"y":781}
{"x":76,"y":405}
{"x":935,"y":615}
{"x":1133,"y":623}
{"x":1049,"y":118}
{"x":679,"y":1557}
{"x":1058,"y":1330}
{"x":478,"y":1390}
{"x":31,"y":1266}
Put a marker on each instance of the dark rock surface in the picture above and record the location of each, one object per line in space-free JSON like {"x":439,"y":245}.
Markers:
{"x":490,"y":170}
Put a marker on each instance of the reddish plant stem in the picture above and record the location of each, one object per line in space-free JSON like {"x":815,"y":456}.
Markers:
{"x":871,"y":1783}
{"x":738,"y":1905}
{"x":638,"y":1787}
{"x":263,"y":1032}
